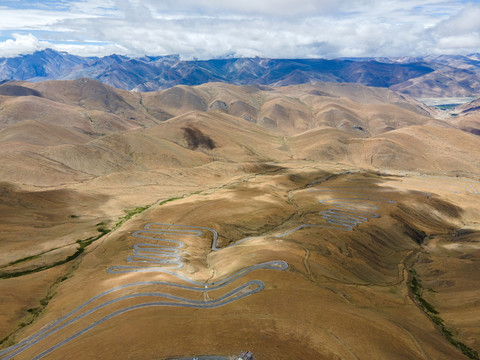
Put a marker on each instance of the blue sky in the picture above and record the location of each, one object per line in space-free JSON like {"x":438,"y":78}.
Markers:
{"x":219,"y":28}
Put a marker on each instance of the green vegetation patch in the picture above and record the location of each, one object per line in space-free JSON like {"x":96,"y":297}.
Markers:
{"x":417,"y":291}
{"x":129,"y":214}
{"x":82,"y":243}
{"x":34,"y":312}
{"x":173,"y":199}
{"x":28,"y":258}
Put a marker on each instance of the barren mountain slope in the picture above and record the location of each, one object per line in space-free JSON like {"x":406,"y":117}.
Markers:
{"x":446,"y":82}
{"x":415,"y":148}
{"x":344,"y":294}
{"x":90,"y":108}
{"x":467,"y":117}
{"x":33,"y":132}
{"x":90,"y":122}
{"x":295,"y":109}
{"x":471,"y":107}
{"x":313,"y":221}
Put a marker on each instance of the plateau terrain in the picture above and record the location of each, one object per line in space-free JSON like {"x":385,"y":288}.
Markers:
{"x":316,"y":220}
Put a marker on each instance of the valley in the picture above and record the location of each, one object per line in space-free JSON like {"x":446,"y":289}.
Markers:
{"x":314,"y":221}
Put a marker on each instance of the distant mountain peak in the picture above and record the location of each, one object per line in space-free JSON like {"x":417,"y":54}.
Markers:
{"x":412,"y":75}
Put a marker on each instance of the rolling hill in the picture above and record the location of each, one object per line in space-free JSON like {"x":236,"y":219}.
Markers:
{"x":315,"y":221}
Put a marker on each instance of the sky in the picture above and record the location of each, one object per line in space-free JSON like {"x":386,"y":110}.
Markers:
{"x":206,"y":29}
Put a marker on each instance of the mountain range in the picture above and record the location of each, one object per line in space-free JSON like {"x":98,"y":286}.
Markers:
{"x":49,"y":130}
{"x":421,"y":77}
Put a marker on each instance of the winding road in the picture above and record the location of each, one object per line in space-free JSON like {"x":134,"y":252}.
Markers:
{"x":166,"y":255}
{"x":348,"y":212}
{"x":165,"y":251}
{"x":347,"y":208}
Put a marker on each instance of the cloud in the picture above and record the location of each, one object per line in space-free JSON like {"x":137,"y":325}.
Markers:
{"x":38,"y":19}
{"x":464,"y":22}
{"x":284,"y":8}
{"x":22,"y":44}
{"x":459,"y":33}
{"x":268,"y":28}
{"x":28,"y":44}
{"x":91,"y":49}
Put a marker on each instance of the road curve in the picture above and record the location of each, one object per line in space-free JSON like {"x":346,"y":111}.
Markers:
{"x":231,"y":296}
{"x":166,"y":255}
{"x":348,"y":210}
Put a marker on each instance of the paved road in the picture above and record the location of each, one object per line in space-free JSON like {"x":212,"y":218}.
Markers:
{"x":249,"y":288}
{"x":349,"y":209}
{"x":166,"y":253}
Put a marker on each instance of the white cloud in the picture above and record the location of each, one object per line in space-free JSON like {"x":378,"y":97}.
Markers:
{"x":458,"y":44}
{"x":265,"y":7}
{"x":466,"y":21}
{"x":94,"y":7}
{"x":459,"y":33}
{"x":269,"y":28}
{"x":90,"y":49}
{"x":20,"y":19}
{"x":22,"y":44}
{"x":28,"y":44}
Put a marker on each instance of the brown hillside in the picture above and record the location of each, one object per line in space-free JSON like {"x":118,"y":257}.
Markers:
{"x":319,"y":221}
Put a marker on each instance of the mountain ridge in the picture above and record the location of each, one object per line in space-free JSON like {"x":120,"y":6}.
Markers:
{"x":96,"y":118}
{"x":158,"y":73}
{"x":421,"y":77}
